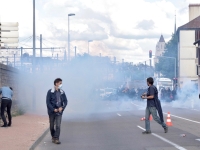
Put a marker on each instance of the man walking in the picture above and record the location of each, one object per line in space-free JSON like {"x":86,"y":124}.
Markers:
{"x":6,"y":102}
{"x":153,"y":103}
{"x":56,"y":101}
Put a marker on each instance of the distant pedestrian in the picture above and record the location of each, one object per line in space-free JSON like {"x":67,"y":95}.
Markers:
{"x":6,"y":103}
{"x":153,"y":103}
{"x":168,"y":93}
{"x":56,"y":101}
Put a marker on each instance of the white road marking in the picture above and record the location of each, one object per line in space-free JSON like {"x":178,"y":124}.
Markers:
{"x":176,"y":116}
{"x":195,"y":109}
{"x":165,"y":140}
{"x":183,"y":118}
{"x":198,"y":139}
{"x":185,"y":108}
{"x":135,"y":104}
{"x":119,"y":115}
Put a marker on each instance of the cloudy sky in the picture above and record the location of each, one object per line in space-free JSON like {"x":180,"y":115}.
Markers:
{"x":127,"y":29}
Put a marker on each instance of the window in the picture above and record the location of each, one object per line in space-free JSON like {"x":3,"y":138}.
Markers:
{"x":197,"y":35}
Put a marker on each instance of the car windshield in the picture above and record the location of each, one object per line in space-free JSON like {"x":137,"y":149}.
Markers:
{"x":165,"y":83}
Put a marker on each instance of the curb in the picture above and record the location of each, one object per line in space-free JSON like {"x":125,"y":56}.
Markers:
{"x":39,"y":139}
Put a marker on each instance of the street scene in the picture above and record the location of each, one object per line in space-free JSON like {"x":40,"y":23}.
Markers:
{"x":100,"y":75}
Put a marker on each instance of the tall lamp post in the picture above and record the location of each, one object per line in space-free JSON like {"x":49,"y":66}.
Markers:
{"x":69,"y":36}
{"x":89,"y":45}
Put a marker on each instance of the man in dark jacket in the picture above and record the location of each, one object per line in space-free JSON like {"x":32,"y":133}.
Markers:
{"x":153,"y":105}
{"x":56,"y":101}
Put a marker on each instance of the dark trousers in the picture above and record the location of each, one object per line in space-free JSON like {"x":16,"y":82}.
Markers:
{"x":5,"y":103}
{"x":55,"y":123}
{"x":153,"y":111}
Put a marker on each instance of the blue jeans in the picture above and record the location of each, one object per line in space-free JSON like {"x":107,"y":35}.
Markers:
{"x":55,"y":123}
{"x":153,"y":111}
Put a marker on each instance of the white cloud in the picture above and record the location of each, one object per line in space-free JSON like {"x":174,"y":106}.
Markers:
{"x":112,"y":24}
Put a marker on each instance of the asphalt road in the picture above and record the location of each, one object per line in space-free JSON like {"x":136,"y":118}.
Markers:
{"x":118,"y":127}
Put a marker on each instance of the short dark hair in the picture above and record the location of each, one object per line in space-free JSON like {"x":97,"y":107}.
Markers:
{"x":150,"y":80}
{"x":57,"y":80}
{"x":11,"y":88}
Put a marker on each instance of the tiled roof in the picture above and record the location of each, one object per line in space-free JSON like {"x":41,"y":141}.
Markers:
{"x":193,"y":24}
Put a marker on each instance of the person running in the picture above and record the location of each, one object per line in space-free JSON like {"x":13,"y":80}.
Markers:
{"x":153,"y":103}
{"x":56,"y":101}
{"x":6,"y":103}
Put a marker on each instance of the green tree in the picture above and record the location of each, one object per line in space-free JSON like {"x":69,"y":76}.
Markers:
{"x":165,"y":66}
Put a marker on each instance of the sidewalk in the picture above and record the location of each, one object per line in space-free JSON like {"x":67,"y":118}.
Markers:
{"x":24,"y":131}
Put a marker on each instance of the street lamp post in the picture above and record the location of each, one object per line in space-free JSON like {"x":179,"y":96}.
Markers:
{"x":14,"y":60}
{"x":89,"y":45}
{"x":69,"y":36}
{"x":174,"y":61}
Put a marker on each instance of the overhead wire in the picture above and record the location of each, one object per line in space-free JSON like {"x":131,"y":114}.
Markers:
{"x":25,"y":39}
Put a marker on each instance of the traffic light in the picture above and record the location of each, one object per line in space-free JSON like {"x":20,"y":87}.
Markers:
{"x":150,"y":54}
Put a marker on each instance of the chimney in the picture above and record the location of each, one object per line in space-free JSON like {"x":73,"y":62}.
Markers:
{"x":194,"y":11}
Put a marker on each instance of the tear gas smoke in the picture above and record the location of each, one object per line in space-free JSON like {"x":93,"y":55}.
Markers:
{"x":82,"y":77}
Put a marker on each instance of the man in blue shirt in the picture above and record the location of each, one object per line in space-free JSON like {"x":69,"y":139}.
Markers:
{"x":6,"y":102}
{"x":152,"y":107}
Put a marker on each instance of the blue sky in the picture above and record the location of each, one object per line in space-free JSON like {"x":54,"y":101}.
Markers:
{"x":126,"y":29}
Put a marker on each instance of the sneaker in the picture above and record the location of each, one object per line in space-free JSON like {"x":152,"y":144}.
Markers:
{"x":166,"y":129}
{"x":4,"y":126}
{"x":146,"y":132}
{"x":53,"y":140}
{"x":57,"y":141}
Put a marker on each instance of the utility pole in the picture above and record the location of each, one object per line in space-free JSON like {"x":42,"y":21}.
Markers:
{"x":41,"y":59}
{"x":33,"y":59}
{"x":89,"y":46}
{"x":33,"y":65}
{"x":21,"y":55}
{"x":69,"y":35}
{"x":150,"y":62}
{"x":145,"y":69}
{"x":57,"y":59}
{"x":14,"y":60}
{"x":65,"y":55}
{"x":40,"y":45}
{"x":68,"y":41}
{"x":75,"y":51}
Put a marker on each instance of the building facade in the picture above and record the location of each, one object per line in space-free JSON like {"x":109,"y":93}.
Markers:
{"x":186,"y":49}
